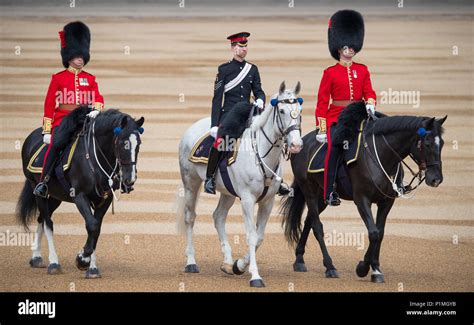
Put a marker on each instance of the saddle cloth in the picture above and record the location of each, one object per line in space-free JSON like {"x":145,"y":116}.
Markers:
{"x":200,"y":152}
{"x":316,"y":163}
{"x":35,"y":165}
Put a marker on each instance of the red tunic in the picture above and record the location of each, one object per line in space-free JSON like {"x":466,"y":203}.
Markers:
{"x":341,"y":83}
{"x":70,"y":87}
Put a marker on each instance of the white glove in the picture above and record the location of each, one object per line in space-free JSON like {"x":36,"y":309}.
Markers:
{"x":47,"y":138}
{"x":93,"y":114}
{"x":259,"y":103}
{"x":370,"y":109}
{"x":213,"y":131}
{"x":321,"y":137}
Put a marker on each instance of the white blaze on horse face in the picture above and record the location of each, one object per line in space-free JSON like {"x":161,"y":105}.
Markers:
{"x":294,"y":138}
{"x":133,"y":143}
{"x":437,"y":141}
{"x":295,"y":141}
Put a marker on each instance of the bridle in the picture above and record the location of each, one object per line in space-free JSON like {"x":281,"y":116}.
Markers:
{"x":422,"y":164}
{"x":284,"y":131}
{"x":115,"y":174}
{"x":294,"y":114}
{"x":123,"y":162}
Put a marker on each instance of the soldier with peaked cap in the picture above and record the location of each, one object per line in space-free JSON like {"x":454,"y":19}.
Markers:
{"x":235,"y":81}
{"x":67,"y":90}
{"x":341,"y":84}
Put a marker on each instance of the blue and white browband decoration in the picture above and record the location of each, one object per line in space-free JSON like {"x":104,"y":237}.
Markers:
{"x":119,"y":130}
{"x":274,"y":101}
{"x":421,"y":132}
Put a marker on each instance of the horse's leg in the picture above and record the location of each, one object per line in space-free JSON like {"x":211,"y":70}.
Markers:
{"x":363,"y":205}
{"x":316,"y":205}
{"x":83,"y":259}
{"x":220,"y":215}
{"x":46,"y":208}
{"x":263,"y":214}
{"x":299,"y":264}
{"x":191,"y":191}
{"x":36,"y":258}
{"x":93,"y":271}
{"x":252,"y":239}
{"x":384,"y":208}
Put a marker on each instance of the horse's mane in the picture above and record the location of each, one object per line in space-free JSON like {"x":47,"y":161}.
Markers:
{"x":390,"y":124}
{"x":109,"y":119}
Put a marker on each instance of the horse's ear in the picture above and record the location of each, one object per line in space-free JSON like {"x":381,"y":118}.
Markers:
{"x":297,"y":88}
{"x":282,"y":87}
{"x":140,"y":121}
{"x":123,"y":122}
{"x":428,"y":124}
{"x":441,"y":120}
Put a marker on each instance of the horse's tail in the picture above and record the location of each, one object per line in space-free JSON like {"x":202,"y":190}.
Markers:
{"x":26,"y":207}
{"x":292,"y":209}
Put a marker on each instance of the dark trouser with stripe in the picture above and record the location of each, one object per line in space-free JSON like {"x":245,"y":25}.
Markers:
{"x":49,"y":158}
{"x":59,"y":140}
{"x":214,"y":157}
{"x":331,"y":173}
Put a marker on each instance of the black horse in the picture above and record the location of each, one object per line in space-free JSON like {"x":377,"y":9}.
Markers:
{"x":395,"y":138}
{"x":104,"y":160}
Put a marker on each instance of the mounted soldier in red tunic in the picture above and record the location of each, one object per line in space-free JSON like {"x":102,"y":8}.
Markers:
{"x":68,"y":90}
{"x":343,"y":83}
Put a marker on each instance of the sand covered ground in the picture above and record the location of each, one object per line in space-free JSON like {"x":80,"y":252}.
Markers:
{"x":163,"y":66}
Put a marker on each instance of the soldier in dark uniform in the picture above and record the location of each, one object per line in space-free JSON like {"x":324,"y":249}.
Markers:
{"x":234,"y":83}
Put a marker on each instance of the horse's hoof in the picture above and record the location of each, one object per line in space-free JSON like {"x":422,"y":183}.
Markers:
{"x":299,"y":267}
{"x":236,"y":270}
{"x":377,"y":278}
{"x":37,"y":262}
{"x":93,"y":273}
{"x":227,"y":268}
{"x":362,"y":269}
{"x":54,"y":269}
{"x":257,"y":283}
{"x":191,"y":268}
{"x":81,"y":264}
{"x":332,"y":273}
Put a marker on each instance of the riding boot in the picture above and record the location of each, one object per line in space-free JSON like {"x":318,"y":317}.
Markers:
{"x":332,"y":198}
{"x":283,"y":190}
{"x":41,"y":188}
{"x":213,"y":162}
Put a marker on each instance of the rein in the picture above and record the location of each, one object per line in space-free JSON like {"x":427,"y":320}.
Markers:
{"x":90,"y":135}
{"x":273,"y":144}
{"x":422,"y":165}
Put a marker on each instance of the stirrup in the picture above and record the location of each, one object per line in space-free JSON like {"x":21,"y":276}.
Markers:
{"x":333,"y":199}
{"x":41,"y":190}
{"x":210,"y":185}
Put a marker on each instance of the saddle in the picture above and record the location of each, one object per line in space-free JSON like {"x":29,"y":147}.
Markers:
{"x":200,"y":152}
{"x":316,"y":163}
{"x":35,"y":165}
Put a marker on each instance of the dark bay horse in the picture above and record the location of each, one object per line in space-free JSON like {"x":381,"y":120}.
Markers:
{"x":385,"y":143}
{"x":104,"y":159}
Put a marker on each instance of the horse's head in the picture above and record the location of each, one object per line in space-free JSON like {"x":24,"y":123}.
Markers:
{"x":287,"y":114}
{"x":126,"y":147}
{"x":427,"y":150}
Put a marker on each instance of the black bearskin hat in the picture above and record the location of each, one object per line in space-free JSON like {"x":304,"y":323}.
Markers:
{"x":75,"y":41}
{"x":346,"y":28}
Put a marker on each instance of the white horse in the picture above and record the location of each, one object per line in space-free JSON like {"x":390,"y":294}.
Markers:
{"x":255,"y":168}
